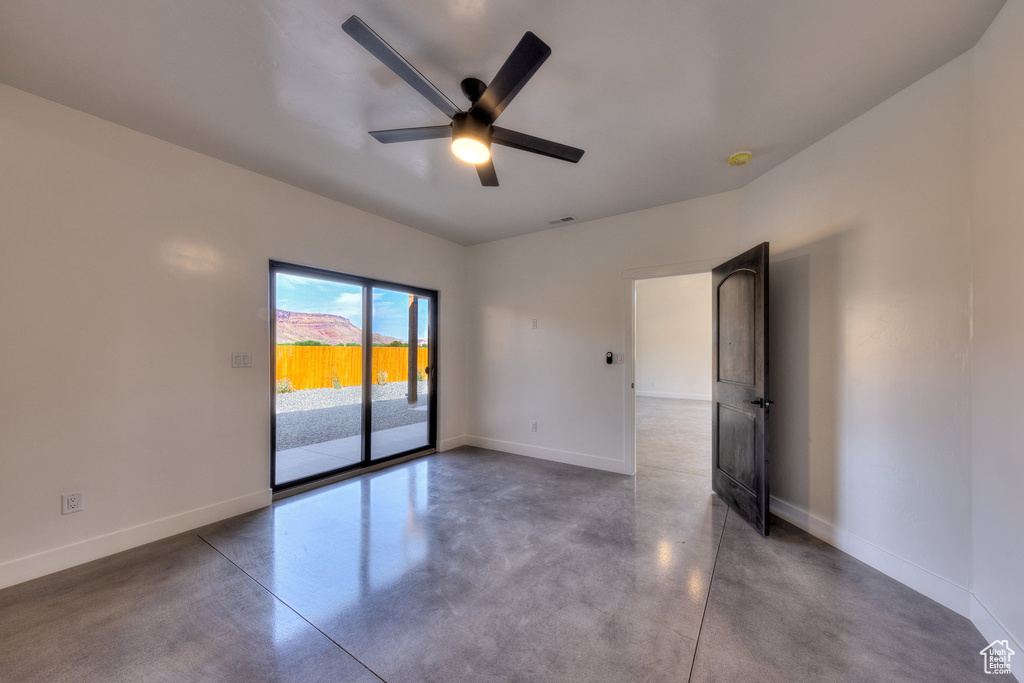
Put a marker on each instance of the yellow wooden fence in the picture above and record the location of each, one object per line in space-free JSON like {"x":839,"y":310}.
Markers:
{"x":317,"y":367}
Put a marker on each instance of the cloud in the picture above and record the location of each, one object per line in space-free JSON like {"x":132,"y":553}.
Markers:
{"x":287,"y":281}
{"x":348,"y":304}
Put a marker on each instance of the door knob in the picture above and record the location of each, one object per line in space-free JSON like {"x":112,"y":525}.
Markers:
{"x":759,"y":402}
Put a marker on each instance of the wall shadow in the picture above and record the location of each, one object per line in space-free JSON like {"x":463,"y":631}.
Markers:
{"x":805,"y":347}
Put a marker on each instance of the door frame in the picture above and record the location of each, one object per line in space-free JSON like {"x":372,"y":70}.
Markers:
{"x":368,"y":284}
{"x":629,"y":278}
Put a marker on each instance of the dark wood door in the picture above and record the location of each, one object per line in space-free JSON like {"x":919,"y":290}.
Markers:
{"x":739,"y":395}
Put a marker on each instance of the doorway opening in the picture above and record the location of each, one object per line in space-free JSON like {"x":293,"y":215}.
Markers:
{"x":672,"y":373}
{"x":354,"y":373}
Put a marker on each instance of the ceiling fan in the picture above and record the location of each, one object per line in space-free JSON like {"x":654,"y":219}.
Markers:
{"x":471,"y":131}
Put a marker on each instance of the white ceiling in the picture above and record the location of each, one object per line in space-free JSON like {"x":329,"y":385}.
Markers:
{"x":658,"y":92}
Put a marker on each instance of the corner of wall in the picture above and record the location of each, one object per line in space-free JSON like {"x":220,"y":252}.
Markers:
{"x":57,"y":559}
{"x":942,"y":591}
{"x":454,"y":442}
{"x":552,"y":454}
{"x":990,"y":627}
{"x":997,"y":367}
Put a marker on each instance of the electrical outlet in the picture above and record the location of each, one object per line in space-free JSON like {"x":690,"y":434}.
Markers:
{"x":533,"y":426}
{"x":72,"y":502}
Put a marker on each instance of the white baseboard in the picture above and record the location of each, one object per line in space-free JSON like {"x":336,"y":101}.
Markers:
{"x":957,"y":598}
{"x":451,"y":443}
{"x":666,"y":394}
{"x":57,"y":559}
{"x":990,"y":627}
{"x":553,"y":454}
{"x":942,"y":591}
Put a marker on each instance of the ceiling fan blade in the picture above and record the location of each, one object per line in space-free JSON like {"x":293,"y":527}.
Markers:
{"x":488,"y":178}
{"x":376,"y":46}
{"x":524,"y":61}
{"x":528,"y":143}
{"x":412,"y":134}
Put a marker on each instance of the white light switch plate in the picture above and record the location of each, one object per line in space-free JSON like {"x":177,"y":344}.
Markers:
{"x":241,"y":359}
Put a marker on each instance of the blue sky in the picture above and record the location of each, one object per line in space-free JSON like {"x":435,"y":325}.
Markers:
{"x":310,"y":295}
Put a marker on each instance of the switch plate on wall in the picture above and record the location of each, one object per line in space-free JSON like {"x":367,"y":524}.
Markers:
{"x":619,"y":358}
{"x":241,"y":359}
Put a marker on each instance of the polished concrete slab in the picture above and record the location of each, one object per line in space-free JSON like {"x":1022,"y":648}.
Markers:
{"x":674,"y":434}
{"x":296,"y":463}
{"x":387,"y":442}
{"x":175,"y":610}
{"x":792,"y":609}
{"x":475,"y":565}
{"x":304,"y":461}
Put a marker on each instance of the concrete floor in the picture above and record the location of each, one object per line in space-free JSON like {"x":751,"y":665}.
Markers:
{"x":296,"y":463}
{"x":474,"y":565}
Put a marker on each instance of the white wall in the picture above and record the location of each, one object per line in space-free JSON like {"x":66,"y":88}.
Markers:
{"x":870,"y":283}
{"x":130,"y":269}
{"x":570,"y":279}
{"x":997,"y":475}
{"x":870,"y":299}
{"x":673,"y":337}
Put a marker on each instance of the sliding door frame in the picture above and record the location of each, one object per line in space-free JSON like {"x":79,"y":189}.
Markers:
{"x":368,"y":284}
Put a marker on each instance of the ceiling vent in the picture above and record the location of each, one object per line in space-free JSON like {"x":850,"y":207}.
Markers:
{"x":559,"y":221}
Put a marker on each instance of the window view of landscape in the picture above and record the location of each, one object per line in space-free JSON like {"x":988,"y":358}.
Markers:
{"x":319,"y":375}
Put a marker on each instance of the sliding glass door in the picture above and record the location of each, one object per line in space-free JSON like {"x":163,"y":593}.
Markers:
{"x":354,"y":371}
{"x":400,"y":395}
{"x":318,"y":396}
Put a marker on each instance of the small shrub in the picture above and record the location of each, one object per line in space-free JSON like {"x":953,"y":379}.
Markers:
{"x":419,"y":376}
{"x":309,"y":342}
{"x":284,"y":385}
{"x":335,"y":382}
{"x":382,"y":377}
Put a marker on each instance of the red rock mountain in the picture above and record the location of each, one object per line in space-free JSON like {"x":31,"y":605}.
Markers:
{"x":320,"y":327}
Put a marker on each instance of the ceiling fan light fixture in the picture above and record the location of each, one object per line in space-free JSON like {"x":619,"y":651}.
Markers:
{"x":470,"y":150}
{"x":471,"y":139}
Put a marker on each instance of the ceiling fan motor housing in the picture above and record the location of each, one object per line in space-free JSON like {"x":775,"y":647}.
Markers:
{"x":465,"y":125}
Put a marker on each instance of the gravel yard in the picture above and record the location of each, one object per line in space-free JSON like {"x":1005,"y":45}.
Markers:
{"x":312,"y":416}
